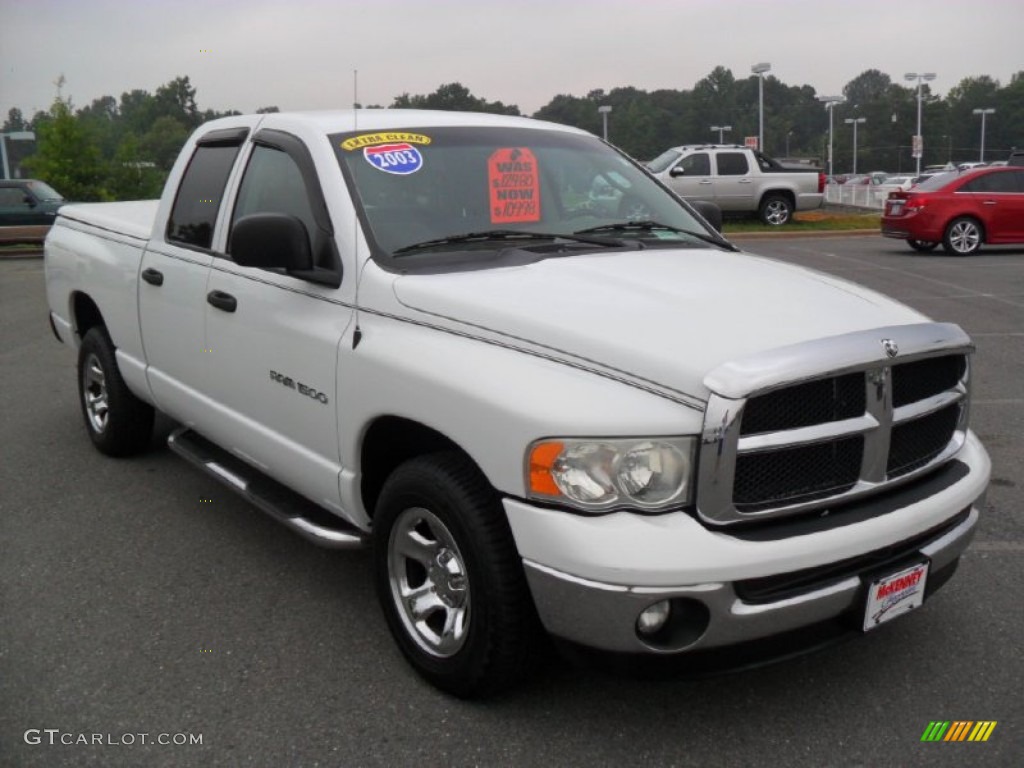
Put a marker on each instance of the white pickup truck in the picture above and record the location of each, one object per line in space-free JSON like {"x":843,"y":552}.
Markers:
{"x":415,"y":331}
{"x":739,"y":180}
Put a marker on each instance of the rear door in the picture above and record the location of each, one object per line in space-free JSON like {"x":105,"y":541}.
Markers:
{"x":734,"y":186}
{"x":272,"y":337}
{"x":172,"y":280}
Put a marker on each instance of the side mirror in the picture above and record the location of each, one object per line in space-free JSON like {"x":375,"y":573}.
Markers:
{"x":29,"y":201}
{"x":677,"y":171}
{"x":274,"y":240}
{"x":712,"y":213}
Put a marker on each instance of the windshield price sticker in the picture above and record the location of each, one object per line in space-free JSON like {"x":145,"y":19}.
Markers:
{"x":401,"y":159}
{"x":894,"y":595}
{"x":514,"y":186}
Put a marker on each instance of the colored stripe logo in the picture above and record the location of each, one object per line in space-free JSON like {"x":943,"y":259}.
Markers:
{"x":958,"y":730}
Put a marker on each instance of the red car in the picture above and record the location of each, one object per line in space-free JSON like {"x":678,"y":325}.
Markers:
{"x":959,"y":210}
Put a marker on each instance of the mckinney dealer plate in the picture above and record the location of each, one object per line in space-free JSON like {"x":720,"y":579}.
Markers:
{"x":894,"y":595}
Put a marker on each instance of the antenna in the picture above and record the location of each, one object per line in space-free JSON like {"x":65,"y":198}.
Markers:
{"x":357,"y":334}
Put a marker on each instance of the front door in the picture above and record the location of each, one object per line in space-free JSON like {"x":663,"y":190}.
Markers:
{"x":273,"y":337}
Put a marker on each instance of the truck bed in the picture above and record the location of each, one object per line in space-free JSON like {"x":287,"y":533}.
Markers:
{"x":134,"y":218}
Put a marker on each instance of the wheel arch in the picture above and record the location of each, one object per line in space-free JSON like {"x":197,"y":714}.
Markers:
{"x":779,"y":192}
{"x":389,"y":441}
{"x":85,"y":314}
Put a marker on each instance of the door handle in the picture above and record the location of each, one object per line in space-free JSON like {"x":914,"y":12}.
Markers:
{"x":989,"y":202}
{"x":746,"y":181}
{"x":221,"y":300}
{"x":706,"y":181}
{"x":153,"y":276}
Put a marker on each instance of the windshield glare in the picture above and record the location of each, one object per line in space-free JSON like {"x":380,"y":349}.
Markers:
{"x":423,"y":184}
{"x":44,"y":191}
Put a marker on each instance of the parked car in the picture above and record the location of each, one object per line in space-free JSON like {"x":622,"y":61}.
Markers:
{"x":739,"y":180}
{"x":27,"y":209}
{"x":897,"y":182}
{"x":969,"y":166}
{"x":961,"y":211}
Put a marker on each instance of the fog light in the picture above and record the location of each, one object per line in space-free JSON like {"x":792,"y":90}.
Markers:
{"x":653,"y":618}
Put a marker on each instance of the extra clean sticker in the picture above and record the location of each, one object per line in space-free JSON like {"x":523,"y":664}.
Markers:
{"x":514,"y":186}
{"x":401,"y":159}
{"x":375,"y":139}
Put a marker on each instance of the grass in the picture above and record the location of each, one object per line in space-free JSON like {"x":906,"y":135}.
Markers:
{"x":809,"y":221}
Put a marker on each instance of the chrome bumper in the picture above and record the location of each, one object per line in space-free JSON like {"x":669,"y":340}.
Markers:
{"x":604,"y":616}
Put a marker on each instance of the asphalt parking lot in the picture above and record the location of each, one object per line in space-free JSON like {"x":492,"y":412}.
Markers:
{"x":139,"y":597}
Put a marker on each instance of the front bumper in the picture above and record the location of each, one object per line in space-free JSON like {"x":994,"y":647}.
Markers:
{"x":592,"y":576}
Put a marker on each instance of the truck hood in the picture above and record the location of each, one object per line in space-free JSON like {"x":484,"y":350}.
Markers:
{"x":660,"y":317}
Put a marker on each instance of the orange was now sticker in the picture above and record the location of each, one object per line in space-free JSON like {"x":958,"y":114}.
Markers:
{"x":514,"y":186}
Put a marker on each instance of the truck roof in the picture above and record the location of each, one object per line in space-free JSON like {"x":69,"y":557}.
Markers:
{"x":346,"y":120}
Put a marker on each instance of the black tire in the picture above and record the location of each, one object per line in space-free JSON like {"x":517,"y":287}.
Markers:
{"x":963,"y":237}
{"x":441,"y":539}
{"x":118,"y":423}
{"x":923,"y":246}
{"x":775,"y":210}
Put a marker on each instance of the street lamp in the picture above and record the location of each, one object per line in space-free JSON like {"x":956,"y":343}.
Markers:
{"x":983,"y":112}
{"x":788,"y":134}
{"x":759,"y":70}
{"x":721,"y":131}
{"x":855,"y":121}
{"x":604,"y":110}
{"x":830,"y":103}
{"x":919,"y":139}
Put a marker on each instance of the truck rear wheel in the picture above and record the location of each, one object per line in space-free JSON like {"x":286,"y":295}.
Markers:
{"x":775,"y":210}
{"x":119,"y":424}
{"x":449,"y":577}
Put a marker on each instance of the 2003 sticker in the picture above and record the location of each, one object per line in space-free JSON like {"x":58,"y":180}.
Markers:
{"x":401,"y":159}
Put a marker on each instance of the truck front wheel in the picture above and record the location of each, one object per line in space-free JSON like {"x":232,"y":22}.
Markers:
{"x":449,"y":577}
{"x":775,"y":210}
{"x":119,"y":424}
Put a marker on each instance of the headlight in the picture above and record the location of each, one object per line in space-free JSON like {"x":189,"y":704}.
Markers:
{"x":599,"y":475}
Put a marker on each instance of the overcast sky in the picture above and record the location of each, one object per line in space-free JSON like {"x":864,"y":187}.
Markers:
{"x":300,"y":54}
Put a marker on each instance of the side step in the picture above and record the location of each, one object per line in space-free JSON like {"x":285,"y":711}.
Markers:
{"x":281,"y":503}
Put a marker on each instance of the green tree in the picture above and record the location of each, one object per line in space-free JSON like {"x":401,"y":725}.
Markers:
{"x":453,"y":97}
{"x":163,"y":141}
{"x":132,"y":177}
{"x":67,"y":156}
{"x":15,"y":121}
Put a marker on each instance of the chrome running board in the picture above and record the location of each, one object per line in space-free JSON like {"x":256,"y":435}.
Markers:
{"x":281,"y":503}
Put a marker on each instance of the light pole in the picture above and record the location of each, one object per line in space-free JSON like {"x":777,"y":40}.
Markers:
{"x":759,"y":70}
{"x":855,"y":121}
{"x":721,"y":132}
{"x":983,"y":112}
{"x":788,"y":134}
{"x":604,"y":110}
{"x":919,"y":139}
{"x":830,"y":103}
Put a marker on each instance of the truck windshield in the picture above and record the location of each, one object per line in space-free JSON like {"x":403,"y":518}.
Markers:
{"x":445,"y":189}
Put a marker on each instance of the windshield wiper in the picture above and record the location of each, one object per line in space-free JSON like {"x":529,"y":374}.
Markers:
{"x":646,"y":225}
{"x":507,"y":234}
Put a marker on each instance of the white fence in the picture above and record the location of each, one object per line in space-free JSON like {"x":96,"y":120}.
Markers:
{"x":858,"y":195}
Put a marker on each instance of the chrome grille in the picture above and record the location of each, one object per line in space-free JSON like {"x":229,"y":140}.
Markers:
{"x":848,"y":421}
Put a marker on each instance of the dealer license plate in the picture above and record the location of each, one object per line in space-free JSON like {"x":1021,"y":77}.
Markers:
{"x":895,"y":594}
{"x":895,"y":207}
